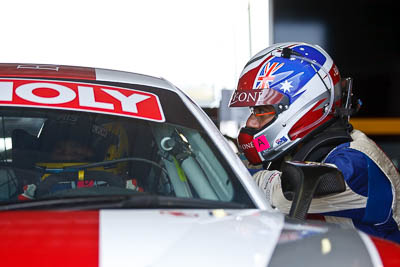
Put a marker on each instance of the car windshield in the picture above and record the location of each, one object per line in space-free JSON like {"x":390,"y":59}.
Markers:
{"x":58,"y":154}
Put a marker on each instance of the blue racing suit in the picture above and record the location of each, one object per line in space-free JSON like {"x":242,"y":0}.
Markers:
{"x":371,"y":201}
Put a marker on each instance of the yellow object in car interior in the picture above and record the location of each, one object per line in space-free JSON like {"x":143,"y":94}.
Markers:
{"x":181,"y":173}
{"x":53,"y":165}
{"x":81,"y":175}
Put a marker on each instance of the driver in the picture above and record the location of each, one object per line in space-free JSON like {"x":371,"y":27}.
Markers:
{"x":69,"y":150}
{"x":71,"y":140}
{"x":299,"y":111}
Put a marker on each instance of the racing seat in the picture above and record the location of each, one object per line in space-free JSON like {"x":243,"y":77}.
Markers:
{"x":24,"y":154}
{"x":142,"y":145}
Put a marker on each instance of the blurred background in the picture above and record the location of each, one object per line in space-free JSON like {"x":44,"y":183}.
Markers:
{"x":202,"y":46}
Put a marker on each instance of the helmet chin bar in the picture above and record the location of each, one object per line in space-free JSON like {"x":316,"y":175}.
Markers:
{"x":277,"y":154}
{"x":246,"y":139}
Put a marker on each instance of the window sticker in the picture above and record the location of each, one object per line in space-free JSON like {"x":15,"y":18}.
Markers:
{"x":82,"y":97}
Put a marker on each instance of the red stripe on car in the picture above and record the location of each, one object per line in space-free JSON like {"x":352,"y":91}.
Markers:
{"x":49,"y":238}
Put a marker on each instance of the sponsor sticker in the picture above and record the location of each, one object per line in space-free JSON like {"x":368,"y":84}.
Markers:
{"x":81,"y":97}
{"x":281,"y":140}
{"x":255,"y":97}
{"x":261,"y":143}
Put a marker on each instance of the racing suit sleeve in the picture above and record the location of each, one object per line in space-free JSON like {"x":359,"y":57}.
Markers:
{"x":270,"y":183}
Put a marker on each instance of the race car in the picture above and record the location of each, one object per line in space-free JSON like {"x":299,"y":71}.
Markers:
{"x":108,"y":168}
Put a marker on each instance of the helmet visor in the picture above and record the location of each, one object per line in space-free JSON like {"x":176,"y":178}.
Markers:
{"x":256,"y":97}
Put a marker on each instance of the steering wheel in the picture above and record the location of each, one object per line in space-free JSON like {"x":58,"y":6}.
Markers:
{"x":114,"y":161}
{"x":70,"y":174}
{"x":152,"y":188}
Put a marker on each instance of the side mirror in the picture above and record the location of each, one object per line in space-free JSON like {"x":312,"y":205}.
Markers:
{"x":302,"y":181}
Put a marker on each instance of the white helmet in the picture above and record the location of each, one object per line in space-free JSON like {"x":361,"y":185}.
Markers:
{"x":303,"y":85}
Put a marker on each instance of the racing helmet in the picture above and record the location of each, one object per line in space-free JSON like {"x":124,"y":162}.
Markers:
{"x":77,"y":139}
{"x":301,"y":82}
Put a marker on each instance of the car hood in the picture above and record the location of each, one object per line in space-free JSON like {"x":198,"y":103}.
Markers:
{"x":171,"y":238}
{"x":140,"y":237}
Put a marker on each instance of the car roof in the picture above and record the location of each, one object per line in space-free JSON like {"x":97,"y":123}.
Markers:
{"x":78,"y":73}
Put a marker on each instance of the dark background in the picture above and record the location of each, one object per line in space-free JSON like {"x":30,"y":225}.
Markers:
{"x":362,"y":37}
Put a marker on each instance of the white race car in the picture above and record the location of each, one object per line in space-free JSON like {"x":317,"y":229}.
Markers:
{"x":109,"y":168}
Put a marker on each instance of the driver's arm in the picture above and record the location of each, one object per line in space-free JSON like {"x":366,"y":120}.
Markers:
{"x":270,"y":184}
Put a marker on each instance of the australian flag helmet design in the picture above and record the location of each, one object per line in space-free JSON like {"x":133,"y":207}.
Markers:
{"x":301,"y":82}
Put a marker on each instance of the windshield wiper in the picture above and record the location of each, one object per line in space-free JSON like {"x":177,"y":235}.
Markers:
{"x":137,"y":201}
